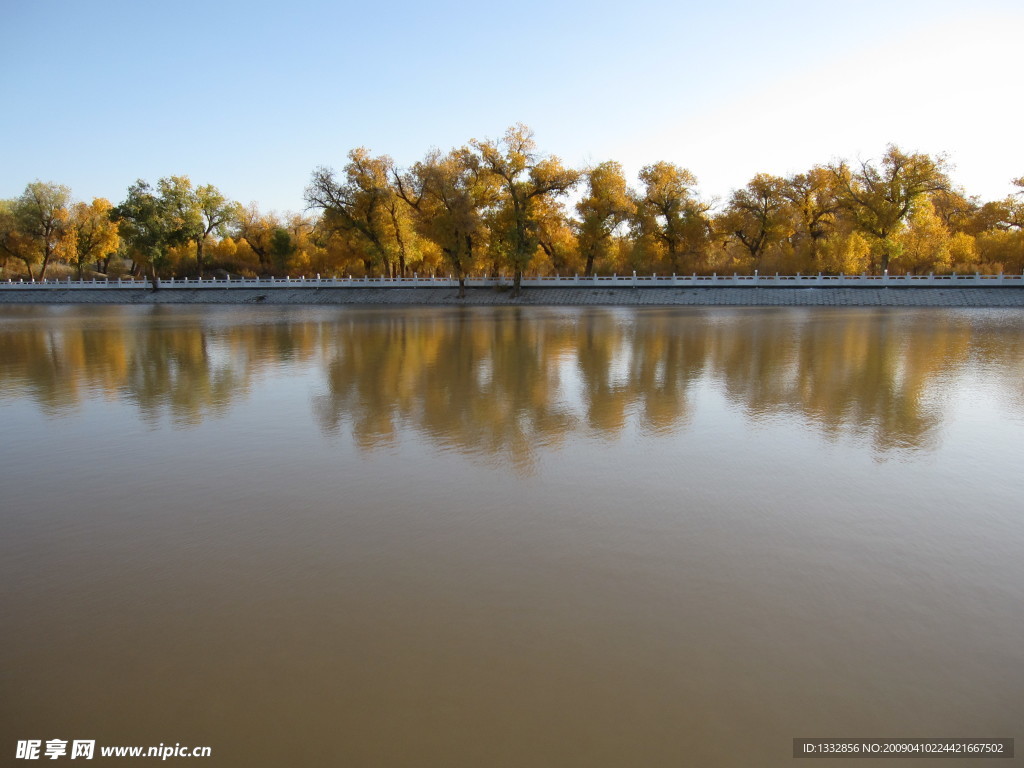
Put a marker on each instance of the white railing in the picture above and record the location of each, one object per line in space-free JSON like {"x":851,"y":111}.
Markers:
{"x":574,"y":281}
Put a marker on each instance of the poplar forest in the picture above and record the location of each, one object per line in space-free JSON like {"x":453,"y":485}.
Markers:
{"x":503,"y":207}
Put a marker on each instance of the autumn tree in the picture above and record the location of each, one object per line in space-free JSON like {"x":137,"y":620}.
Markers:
{"x":525,"y":177}
{"x":555,"y":236}
{"x":999,"y":230}
{"x":880,"y":196}
{"x":12,"y":242}
{"x":257,"y":230}
{"x":669,"y":211}
{"x":956,"y":209}
{"x":91,"y":235}
{"x":605,"y":207}
{"x":924,"y":245}
{"x":448,"y":194}
{"x":37,"y":224}
{"x":216,"y":214}
{"x":813,"y":206}
{"x":366,"y":204}
{"x":757,"y":214}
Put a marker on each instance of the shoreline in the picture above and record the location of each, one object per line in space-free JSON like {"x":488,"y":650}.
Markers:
{"x":576,"y":296}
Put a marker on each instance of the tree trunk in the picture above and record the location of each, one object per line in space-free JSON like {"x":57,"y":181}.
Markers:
{"x":462,"y":286}
{"x":673,"y":257}
{"x":153,"y":279}
{"x":199,"y":256}
{"x":28,"y":268}
{"x":400,"y":241}
{"x":518,"y":284}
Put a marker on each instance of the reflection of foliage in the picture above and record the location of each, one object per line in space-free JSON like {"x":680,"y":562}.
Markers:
{"x":864,"y":372}
{"x":501,"y":384}
{"x":158,"y":360}
{"x":468,"y":384}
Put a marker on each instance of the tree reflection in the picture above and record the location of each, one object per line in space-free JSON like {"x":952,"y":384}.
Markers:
{"x":502,"y":384}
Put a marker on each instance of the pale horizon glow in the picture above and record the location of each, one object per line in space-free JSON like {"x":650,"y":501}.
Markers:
{"x":252,"y":98}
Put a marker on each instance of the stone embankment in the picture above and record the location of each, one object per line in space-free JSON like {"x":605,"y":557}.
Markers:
{"x":574,"y":296}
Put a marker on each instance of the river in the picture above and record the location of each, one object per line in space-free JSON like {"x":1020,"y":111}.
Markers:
{"x":509,"y":537}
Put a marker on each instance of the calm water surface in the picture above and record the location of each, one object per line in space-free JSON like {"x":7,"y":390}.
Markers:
{"x":485,"y":537}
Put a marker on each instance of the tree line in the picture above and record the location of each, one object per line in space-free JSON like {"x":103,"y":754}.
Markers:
{"x":504,"y":207}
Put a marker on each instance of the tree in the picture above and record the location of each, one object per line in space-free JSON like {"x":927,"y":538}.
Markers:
{"x":880,"y":197}
{"x":813,"y":205}
{"x":925,"y":243}
{"x":524,"y":177}
{"x":555,"y":236}
{"x":756,"y":214}
{"x":92,"y":235}
{"x":152,"y":222}
{"x":258,"y":230}
{"x":365,"y":204}
{"x":39,"y":224}
{"x":607,"y":205}
{"x":12,"y":242}
{"x":216,"y":213}
{"x":448,"y":195}
{"x":668,"y":211}
{"x":282,"y":247}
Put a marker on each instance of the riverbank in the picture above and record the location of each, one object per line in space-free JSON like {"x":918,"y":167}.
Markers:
{"x":682,"y":296}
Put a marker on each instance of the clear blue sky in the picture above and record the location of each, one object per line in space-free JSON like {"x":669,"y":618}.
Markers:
{"x":252,"y":96}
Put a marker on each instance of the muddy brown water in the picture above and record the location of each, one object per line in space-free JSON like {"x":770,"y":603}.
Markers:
{"x":509,"y":537}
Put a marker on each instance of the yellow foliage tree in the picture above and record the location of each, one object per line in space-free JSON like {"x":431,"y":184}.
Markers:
{"x":91,"y":236}
{"x":526,"y":178}
{"x":924,"y":246}
{"x":847,"y":253}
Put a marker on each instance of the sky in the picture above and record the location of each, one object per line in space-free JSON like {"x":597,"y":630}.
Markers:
{"x":252,"y":96}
